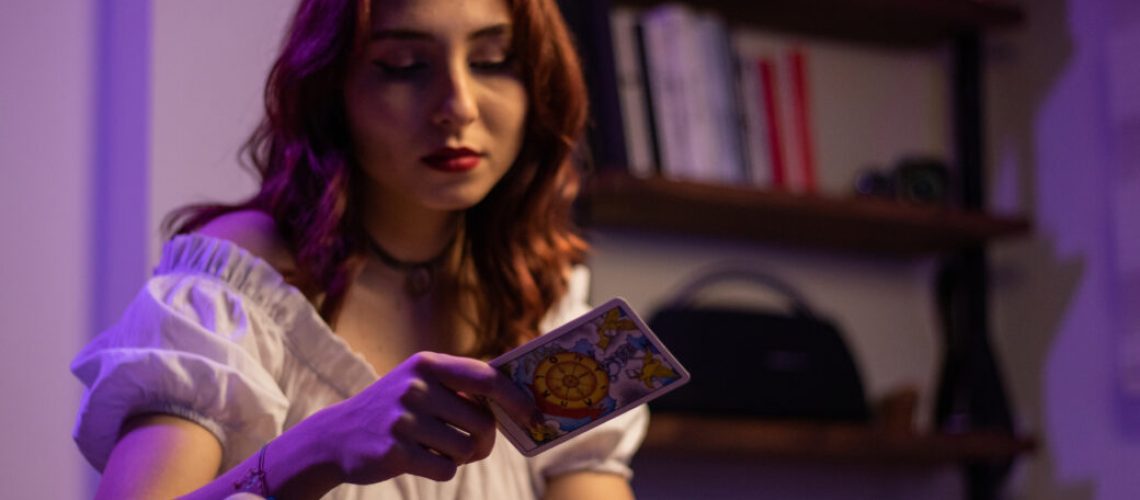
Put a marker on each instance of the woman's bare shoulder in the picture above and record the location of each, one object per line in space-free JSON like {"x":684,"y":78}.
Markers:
{"x":256,"y":232}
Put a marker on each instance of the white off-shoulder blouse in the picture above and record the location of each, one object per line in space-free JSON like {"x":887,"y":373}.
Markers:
{"x":218,"y":337}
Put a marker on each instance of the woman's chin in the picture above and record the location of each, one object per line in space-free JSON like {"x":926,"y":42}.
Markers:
{"x":457,"y":198}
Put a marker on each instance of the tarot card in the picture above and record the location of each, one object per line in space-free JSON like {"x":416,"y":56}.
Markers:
{"x":588,"y":371}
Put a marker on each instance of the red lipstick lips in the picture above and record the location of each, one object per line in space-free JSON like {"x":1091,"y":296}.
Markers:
{"x":453,"y":159}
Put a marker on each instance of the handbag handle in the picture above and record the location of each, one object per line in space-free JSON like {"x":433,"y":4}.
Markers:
{"x":687,"y":293}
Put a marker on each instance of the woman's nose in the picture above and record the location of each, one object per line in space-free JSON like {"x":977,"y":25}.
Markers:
{"x":457,"y":107}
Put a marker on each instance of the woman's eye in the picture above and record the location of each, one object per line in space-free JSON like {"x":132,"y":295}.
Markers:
{"x":494,"y":64}
{"x":401,"y":69}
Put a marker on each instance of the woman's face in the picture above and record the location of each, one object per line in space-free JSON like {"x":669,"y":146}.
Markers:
{"x":435,"y":106}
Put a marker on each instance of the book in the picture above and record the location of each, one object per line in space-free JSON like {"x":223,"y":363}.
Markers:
{"x":663,"y":33}
{"x":725,"y":153}
{"x":695,"y":106}
{"x":789,"y":113}
{"x":692,"y":106}
{"x":632,"y":92}
{"x":801,"y":120}
{"x":780,"y":132}
{"x":753,"y":130}
{"x":770,"y":98}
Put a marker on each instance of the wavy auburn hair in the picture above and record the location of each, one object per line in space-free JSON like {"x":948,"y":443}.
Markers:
{"x":517,"y":244}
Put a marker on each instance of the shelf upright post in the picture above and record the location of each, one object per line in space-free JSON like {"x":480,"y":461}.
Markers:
{"x":971,"y":394}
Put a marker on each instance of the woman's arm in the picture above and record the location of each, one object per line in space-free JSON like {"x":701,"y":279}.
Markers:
{"x":160,"y":456}
{"x":588,"y":485}
{"x":163,"y":456}
{"x":423,"y":418}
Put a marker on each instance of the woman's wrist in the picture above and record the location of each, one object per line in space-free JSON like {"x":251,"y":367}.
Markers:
{"x":254,"y":479}
{"x":291,"y":466}
{"x":300,"y":465}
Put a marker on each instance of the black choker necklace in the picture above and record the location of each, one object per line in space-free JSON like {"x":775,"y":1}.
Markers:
{"x":419,"y":275}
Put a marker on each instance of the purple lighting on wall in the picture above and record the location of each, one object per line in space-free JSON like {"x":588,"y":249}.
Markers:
{"x":121,"y":122}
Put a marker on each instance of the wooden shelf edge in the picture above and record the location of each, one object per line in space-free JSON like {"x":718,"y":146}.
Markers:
{"x":891,"y":22}
{"x":881,"y":226}
{"x":839,"y":442}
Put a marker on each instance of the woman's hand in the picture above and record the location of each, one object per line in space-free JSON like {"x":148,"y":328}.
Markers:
{"x":425,"y":417}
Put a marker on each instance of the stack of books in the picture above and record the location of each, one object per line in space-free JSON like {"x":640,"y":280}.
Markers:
{"x":700,"y":102}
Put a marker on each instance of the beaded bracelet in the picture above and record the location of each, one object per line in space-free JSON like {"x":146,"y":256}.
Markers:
{"x":254,"y":479}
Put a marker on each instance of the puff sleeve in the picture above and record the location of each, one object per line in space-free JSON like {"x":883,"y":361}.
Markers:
{"x":195,"y":343}
{"x":607,"y":448}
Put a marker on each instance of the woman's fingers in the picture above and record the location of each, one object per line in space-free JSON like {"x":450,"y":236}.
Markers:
{"x":433,"y":434}
{"x":476,"y":378}
{"x":423,"y":462}
{"x":444,"y":403}
{"x":450,"y":424}
{"x":426,"y":417}
{"x":473,"y":419}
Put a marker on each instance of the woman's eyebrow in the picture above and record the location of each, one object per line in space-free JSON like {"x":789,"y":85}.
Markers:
{"x":398,"y":34}
{"x":492,"y":31}
{"x":495,"y":30}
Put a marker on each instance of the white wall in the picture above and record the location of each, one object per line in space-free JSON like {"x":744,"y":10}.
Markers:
{"x":210,"y":60}
{"x":45,"y":152}
{"x":208,"y":64}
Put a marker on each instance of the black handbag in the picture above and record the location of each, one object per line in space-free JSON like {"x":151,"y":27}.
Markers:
{"x":755,"y":361}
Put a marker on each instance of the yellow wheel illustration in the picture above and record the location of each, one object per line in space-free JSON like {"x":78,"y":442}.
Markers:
{"x":571,"y":385}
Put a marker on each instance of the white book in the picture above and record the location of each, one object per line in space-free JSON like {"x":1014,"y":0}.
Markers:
{"x":758,"y":157}
{"x":631,"y":92}
{"x":662,"y":32}
{"x":664,"y":85}
{"x":694,"y":62}
{"x":725,"y":152}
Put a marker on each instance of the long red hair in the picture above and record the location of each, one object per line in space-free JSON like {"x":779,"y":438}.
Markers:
{"x":518,"y":242}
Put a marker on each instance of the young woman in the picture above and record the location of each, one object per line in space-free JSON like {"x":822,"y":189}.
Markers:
{"x":328,"y":337}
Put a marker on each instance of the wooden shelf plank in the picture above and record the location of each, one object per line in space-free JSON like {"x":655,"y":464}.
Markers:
{"x":869,"y":225}
{"x":894,"y":22}
{"x":675,"y":433}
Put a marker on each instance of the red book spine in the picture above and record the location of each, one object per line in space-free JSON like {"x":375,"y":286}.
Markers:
{"x":772,"y":116}
{"x":803,"y":118}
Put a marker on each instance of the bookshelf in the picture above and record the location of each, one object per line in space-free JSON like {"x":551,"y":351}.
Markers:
{"x":619,"y":201}
{"x":672,"y":433}
{"x":891,"y":22}
{"x":614,"y":199}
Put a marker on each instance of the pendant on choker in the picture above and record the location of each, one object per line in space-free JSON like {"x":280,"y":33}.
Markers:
{"x":418,"y":276}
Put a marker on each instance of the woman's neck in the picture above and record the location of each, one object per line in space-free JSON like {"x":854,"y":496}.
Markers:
{"x":410,"y":233}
